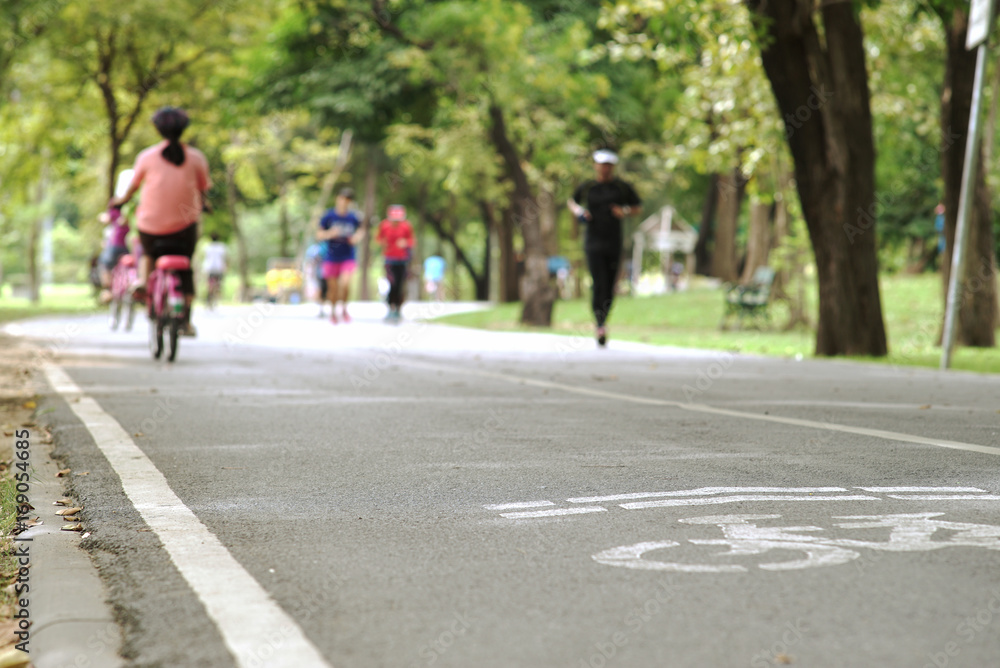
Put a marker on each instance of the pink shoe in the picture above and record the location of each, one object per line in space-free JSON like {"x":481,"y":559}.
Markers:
{"x":346,"y":318}
{"x":333,"y":318}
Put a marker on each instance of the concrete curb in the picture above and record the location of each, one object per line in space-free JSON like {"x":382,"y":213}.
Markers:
{"x":72,"y":624}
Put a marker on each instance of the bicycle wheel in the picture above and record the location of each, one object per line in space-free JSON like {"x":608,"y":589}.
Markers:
{"x":114,"y":313}
{"x":156,"y":337}
{"x":129,"y":313}
{"x":174,"y":334}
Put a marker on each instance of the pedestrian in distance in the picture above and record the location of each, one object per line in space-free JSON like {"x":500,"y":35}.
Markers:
{"x":174,"y":179}
{"x":601,"y":204}
{"x":396,"y":236}
{"x":341,"y":229}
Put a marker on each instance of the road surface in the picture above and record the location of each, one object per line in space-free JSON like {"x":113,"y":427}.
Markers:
{"x":295,"y":493}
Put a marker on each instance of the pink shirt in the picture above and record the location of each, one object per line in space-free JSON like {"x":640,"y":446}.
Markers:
{"x":171,"y":195}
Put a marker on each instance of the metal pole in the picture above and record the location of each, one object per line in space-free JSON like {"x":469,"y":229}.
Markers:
{"x":964,"y":210}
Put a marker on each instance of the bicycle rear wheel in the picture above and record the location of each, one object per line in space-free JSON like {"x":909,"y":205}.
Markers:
{"x":174,"y":335}
{"x":156,"y":337}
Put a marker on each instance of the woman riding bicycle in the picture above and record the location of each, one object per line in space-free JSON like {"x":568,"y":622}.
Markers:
{"x":174,"y":179}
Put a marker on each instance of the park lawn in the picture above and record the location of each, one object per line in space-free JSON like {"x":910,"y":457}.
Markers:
{"x":912,"y":308}
{"x":60,"y":299}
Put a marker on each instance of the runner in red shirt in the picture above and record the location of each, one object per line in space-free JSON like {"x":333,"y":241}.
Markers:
{"x":396,"y":236}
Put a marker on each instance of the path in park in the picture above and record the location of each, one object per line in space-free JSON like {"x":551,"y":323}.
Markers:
{"x":295,"y":494}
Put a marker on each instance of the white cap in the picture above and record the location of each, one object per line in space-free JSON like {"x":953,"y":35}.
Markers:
{"x":607,"y":157}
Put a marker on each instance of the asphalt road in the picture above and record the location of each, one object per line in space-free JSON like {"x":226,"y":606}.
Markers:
{"x":429,"y":496}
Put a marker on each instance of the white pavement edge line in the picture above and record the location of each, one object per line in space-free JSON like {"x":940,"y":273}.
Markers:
{"x":704,"y":408}
{"x":255,"y":629}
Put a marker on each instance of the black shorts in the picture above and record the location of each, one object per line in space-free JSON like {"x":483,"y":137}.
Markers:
{"x":175,"y":243}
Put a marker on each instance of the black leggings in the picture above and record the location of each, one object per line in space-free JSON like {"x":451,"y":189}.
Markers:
{"x":603,"y":267}
{"x":396,"y":272}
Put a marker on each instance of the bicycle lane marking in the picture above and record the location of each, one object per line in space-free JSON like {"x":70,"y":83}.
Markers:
{"x":255,"y":628}
{"x":911,"y":532}
{"x":705,"y":408}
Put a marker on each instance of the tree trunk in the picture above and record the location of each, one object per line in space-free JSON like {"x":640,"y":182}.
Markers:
{"x":538,"y":294}
{"x":371,"y":182}
{"x":758,"y":240}
{"x":977,"y":317}
{"x":548,"y":218}
{"x":35,"y":233}
{"x":702,"y":255}
{"x":483,"y":288}
{"x":509,"y":291}
{"x":731,"y":187}
{"x":445,"y":233}
{"x":821,"y":87}
{"x":242,"y":264}
{"x":283,"y":226}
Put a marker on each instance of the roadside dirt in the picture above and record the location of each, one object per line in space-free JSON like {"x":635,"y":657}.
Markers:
{"x":17,"y":407}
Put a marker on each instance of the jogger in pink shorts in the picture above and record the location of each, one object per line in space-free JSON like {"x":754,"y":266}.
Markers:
{"x":341,"y":229}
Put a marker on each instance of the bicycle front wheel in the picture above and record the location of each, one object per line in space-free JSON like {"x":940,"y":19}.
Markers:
{"x":114,"y":313}
{"x":129,"y":313}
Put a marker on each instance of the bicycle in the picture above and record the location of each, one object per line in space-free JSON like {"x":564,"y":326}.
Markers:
{"x":122,"y":276}
{"x":166,"y":307}
{"x":213,"y":291}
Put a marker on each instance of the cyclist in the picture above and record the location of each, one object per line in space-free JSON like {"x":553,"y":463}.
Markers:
{"x":114,"y":248}
{"x":214,"y":267}
{"x":601,"y":204}
{"x":396,"y":236}
{"x":341,"y":229}
{"x":174,"y":178}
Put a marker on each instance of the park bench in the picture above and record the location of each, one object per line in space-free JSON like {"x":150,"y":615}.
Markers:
{"x":749,"y":301}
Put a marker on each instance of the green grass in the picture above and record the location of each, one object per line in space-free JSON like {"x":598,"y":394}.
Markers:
{"x":55,"y":300}
{"x":912,"y":309}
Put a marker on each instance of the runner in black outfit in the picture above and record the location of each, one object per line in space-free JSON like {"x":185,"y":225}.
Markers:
{"x":602,"y":204}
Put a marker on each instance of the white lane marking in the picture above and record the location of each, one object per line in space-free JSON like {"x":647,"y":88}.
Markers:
{"x":664,"y":503}
{"x":515,"y":506}
{"x":705,"y":491}
{"x":703,"y":496}
{"x":921,"y":489}
{"x":704,"y":408}
{"x":945,"y":497}
{"x":255,"y":629}
{"x":553,"y":513}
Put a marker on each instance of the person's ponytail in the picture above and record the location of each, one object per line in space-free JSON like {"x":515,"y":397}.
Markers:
{"x":171,"y":123}
{"x":173,"y":152}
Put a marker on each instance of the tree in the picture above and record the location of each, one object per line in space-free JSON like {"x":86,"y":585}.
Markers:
{"x":129,"y":54}
{"x":821,"y":87}
{"x":978,"y":312}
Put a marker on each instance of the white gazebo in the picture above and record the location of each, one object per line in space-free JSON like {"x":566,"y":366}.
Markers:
{"x":666,"y":232}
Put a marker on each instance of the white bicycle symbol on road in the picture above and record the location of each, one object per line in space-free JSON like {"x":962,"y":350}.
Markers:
{"x":916,"y":532}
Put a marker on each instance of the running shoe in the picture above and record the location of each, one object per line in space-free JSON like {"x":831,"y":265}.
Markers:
{"x":346,"y":318}
{"x":333,"y":318}
{"x":602,"y":337}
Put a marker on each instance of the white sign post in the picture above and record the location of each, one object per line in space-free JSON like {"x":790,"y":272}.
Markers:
{"x":980,"y":20}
